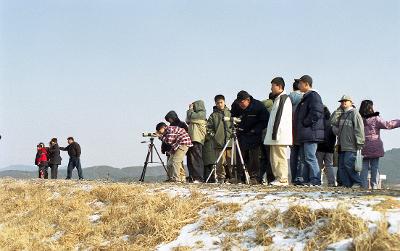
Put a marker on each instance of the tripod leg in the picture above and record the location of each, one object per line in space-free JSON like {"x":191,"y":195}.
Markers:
{"x":145,"y":165}
{"x":162,"y":162}
{"x":246,"y":174}
{"x":233,"y":160}
{"x":218,"y":160}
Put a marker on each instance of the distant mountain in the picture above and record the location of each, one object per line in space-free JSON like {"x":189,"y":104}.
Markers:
{"x":390,"y":166}
{"x":26,"y":168}
{"x":153,"y":173}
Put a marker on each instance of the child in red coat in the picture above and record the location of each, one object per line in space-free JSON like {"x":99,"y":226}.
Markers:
{"x":41,"y":161}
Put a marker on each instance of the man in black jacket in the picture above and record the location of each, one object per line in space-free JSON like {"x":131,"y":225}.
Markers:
{"x":254,"y":119}
{"x":309,"y":130}
{"x":74,"y":152}
{"x":54,"y":157}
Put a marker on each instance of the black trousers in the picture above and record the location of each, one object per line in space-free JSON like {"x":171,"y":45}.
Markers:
{"x":195,"y":162}
{"x":265,"y":165}
{"x":251,"y":158}
{"x":74,"y":162}
{"x":53,"y":171}
{"x":43,"y":172}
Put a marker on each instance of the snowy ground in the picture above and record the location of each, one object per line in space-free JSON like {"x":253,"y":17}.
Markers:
{"x":360,"y":204}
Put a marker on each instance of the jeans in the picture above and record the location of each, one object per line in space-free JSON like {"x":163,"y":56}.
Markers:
{"x":74,"y":162}
{"x":311,"y":171}
{"x":296,"y":167}
{"x":348,"y":175}
{"x":373,"y":165}
{"x":325,"y":161}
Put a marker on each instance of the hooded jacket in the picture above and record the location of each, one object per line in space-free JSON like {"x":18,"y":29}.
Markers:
{"x":197,"y":122}
{"x":165,"y":148}
{"x":373,"y":124}
{"x":308,"y":119}
{"x":217,"y":128}
{"x":279,"y":130}
{"x":349,"y":127}
{"x":254,"y":120}
{"x":176,"y":121}
{"x":295,"y":97}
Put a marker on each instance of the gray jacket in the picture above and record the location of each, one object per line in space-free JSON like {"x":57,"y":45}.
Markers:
{"x":349,"y":127}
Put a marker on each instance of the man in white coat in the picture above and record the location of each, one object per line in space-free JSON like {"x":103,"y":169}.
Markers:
{"x":279,"y":132}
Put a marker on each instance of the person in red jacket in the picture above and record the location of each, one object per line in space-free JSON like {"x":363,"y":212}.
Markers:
{"x":41,"y":161}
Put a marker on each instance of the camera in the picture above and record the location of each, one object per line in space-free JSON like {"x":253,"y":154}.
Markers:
{"x":149,"y":134}
{"x":233,"y":120}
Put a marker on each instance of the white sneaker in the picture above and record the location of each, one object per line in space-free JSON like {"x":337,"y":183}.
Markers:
{"x":278,"y":183}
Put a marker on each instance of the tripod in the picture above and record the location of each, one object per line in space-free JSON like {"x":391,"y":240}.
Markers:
{"x":149,"y":158}
{"x":235,"y":150}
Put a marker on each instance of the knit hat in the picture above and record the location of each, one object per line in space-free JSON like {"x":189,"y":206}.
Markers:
{"x":278,"y":81}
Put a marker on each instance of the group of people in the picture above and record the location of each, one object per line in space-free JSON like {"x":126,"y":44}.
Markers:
{"x":266,"y":129}
{"x":50,"y":157}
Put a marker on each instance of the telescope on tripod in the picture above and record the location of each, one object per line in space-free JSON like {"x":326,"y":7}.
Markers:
{"x":150,"y":155}
{"x":236,"y":151}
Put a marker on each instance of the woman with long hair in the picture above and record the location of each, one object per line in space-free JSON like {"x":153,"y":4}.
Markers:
{"x":373,"y":148}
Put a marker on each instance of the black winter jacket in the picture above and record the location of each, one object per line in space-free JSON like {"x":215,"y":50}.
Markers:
{"x":328,"y":146}
{"x":54,"y":155}
{"x":254,"y":121}
{"x":74,"y":149}
{"x":308,"y":119}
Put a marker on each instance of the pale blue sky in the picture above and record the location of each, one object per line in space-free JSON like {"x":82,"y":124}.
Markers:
{"x":104,"y":71}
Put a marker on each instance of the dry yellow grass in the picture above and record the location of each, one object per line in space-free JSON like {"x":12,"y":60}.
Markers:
{"x":380,"y":240}
{"x":299,"y":217}
{"x":387,"y":204}
{"x":54,"y":215}
{"x":340,"y":225}
{"x":221,"y":218}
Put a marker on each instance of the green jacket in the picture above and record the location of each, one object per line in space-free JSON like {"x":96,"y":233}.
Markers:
{"x":219,"y":129}
{"x":209,"y":154}
{"x":197,"y":122}
{"x":349,"y":127}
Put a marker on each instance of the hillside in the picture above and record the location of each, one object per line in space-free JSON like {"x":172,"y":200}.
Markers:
{"x":390,"y":165}
{"x":93,"y":215}
{"x":153,"y":173}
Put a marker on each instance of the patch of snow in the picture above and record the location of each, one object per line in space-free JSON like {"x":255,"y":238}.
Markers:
{"x":125,"y":237}
{"x":86,"y":187}
{"x":56,"y":236}
{"x":55,"y":195}
{"x":393,"y":219}
{"x":283,"y":238}
{"x":343,"y":245}
{"x":94,"y":218}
